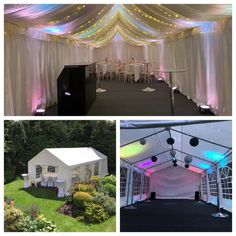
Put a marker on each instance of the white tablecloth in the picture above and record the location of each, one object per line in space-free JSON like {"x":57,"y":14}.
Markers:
{"x":136,"y":69}
{"x":106,"y":67}
{"x":60,"y":186}
{"x":49,"y":179}
{"x":26,"y":180}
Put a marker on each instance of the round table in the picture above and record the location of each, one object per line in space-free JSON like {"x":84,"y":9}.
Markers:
{"x":60,"y":185}
{"x":26,"y":180}
{"x":136,"y":69}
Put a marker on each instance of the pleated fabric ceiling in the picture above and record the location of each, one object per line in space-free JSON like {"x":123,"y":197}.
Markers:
{"x":214,"y":143}
{"x":96,"y":25}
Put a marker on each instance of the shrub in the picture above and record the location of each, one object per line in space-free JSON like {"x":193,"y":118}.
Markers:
{"x":109,"y":179}
{"x":110,"y":190}
{"x":96,"y":181}
{"x":80,"y":198}
{"x":69,"y":199}
{"x":34,"y":211}
{"x":88,"y":188}
{"x":106,"y":202}
{"x":94,"y":213}
{"x":66,"y":209}
{"x":9,"y":201}
{"x":39,"y":224}
{"x":12,"y":219}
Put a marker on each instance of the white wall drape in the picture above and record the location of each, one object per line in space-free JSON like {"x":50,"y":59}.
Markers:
{"x":175,"y":183}
{"x":119,"y":50}
{"x":207,"y":59}
{"x":32,"y":67}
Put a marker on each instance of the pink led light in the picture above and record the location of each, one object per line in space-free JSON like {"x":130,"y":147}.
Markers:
{"x":195,"y":169}
{"x":145,"y":164}
{"x":150,"y":171}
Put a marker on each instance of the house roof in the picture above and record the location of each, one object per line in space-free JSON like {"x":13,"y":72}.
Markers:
{"x":215,"y":142}
{"x":76,"y":156}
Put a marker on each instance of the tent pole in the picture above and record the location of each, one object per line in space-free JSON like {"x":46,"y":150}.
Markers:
{"x":127,"y":202}
{"x":205,"y":160}
{"x":147,"y":136}
{"x":218,"y":214}
{"x":135,"y":162}
{"x":149,"y":183}
{"x":166,"y":123}
{"x":141,"y":187}
{"x":181,"y":132}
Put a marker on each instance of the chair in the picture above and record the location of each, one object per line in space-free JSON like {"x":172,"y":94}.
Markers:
{"x":112,"y":70}
{"x":145,"y":73}
{"x":121,"y":71}
{"x":129,"y":74}
{"x":34,"y":182}
{"x":50,"y":182}
{"x":43,"y":181}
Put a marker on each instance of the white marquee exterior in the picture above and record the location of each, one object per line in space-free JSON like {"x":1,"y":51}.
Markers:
{"x":67,"y":164}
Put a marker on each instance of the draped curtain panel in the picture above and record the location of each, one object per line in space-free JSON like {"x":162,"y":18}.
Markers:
{"x":119,"y":51}
{"x":32,"y":67}
{"x":175,"y":183}
{"x":34,"y":62}
{"x":207,"y":59}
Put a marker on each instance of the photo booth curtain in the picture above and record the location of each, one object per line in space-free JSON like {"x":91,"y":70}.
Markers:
{"x":175,"y":183}
{"x":119,"y":51}
{"x":32,"y":67}
{"x":207,"y":59}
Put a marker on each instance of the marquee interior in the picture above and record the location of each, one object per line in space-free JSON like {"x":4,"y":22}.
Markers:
{"x":40,"y":39}
{"x":211,"y":160}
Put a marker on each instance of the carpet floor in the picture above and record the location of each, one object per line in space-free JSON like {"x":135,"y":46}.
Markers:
{"x":173,"y":216}
{"x":128,"y":100}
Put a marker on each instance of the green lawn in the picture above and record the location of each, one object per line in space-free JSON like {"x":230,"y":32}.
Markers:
{"x":48,"y":204}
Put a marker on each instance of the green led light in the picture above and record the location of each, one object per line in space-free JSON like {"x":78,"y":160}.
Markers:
{"x":132,"y":150}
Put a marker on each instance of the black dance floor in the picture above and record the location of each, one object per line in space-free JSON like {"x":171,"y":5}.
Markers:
{"x":128,"y":100}
{"x":173,"y":216}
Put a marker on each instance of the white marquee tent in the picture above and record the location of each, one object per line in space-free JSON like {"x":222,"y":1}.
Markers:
{"x":211,"y":161}
{"x":67,"y":164}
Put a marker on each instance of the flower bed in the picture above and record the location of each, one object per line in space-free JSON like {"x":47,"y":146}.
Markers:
{"x":15,"y":220}
{"x":92,"y":202}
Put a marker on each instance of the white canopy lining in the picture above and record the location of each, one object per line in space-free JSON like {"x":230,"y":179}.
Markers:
{"x":98,"y":24}
{"x":214,"y":144}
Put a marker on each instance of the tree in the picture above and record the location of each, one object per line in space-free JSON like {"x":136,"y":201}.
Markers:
{"x":24,"y":139}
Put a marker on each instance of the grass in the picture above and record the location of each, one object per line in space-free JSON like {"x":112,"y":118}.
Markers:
{"x":48,"y":204}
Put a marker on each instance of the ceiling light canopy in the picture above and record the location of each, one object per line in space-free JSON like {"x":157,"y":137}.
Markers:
{"x":98,"y":24}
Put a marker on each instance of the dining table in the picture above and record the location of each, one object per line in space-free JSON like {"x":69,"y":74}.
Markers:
{"x":172,"y":98}
{"x":136,"y":70}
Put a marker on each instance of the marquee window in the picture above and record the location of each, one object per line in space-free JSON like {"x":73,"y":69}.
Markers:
{"x":204,"y":185}
{"x":212,"y":178}
{"x":146,"y":180}
{"x":51,"y":169}
{"x":123,"y":181}
{"x":38,"y":171}
{"x":226,"y":181}
{"x":136,"y":183}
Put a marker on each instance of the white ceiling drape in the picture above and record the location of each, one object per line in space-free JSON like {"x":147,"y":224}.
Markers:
{"x":96,"y":25}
